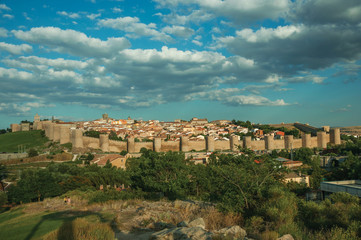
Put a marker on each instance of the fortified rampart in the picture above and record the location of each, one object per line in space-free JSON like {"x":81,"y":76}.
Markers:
{"x":67,"y":133}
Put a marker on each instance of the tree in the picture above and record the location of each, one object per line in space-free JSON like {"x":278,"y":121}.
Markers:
{"x":3,"y":175}
{"x":304,"y":155}
{"x":35,"y":185}
{"x":160,"y":172}
{"x":32,"y":153}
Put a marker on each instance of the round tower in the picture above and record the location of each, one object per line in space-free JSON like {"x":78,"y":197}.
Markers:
{"x":157,"y":144}
{"x":335,"y":137}
{"x":184,"y":144}
{"x":77,"y":138}
{"x":247,"y":142}
{"x":234,"y":143}
{"x":131,"y":145}
{"x":104,"y":142}
{"x":321,"y":140}
{"x":269,"y":143}
{"x":306,"y":140}
{"x":288,"y":141}
{"x":210,"y":143}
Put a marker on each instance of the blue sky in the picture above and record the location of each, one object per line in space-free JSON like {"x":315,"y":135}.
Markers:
{"x":258,"y":60}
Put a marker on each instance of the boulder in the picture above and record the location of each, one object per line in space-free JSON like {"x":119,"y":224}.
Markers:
{"x":199,"y":222}
{"x":182,"y":233}
{"x":183,"y":224}
{"x":286,"y":237}
{"x":194,"y":233}
{"x":234,"y":232}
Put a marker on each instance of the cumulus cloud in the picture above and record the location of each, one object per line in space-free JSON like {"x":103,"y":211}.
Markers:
{"x":68,"y":14}
{"x":302,"y":47}
{"x":133,"y":78}
{"x":326,"y":11}
{"x":134,"y":28}
{"x":93,"y":16}
{"x":3,"y":32}
{"x":72,"y":42}
{"x":178,"y":31}
{"x":15,"y":49}
{"x":195,"y":16}
{"x":8,"y":16}
{"x":116,"y":10}
{"x":231,"y":96}
{"x":4,"y":7}
{"x":238,"y":10}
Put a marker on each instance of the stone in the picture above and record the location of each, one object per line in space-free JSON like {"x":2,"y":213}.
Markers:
{"x":199,"y":222}
{"x":234,"y":232}
{"x":286,"y":237}
{"x":162,"y":225}
{"x":182,"y":233}
{"x":183,"y":224}
{"x":194,"y":233}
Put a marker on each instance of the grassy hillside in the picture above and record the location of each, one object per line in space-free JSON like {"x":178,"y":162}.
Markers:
{"x":52,"y":219}
{"x":9,"y":142}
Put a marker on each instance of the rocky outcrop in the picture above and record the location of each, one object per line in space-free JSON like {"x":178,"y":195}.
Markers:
{"x":286,"y":237}
{"x":234,"y":232}
{"x":182,"y":233}
{"x":196,"y":230}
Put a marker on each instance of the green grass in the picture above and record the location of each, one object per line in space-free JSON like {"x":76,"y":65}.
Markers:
{"x":32,"y":139}
{"x":15,"y":225}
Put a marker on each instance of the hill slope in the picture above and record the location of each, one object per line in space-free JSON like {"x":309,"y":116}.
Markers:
{"x":9,"y":142}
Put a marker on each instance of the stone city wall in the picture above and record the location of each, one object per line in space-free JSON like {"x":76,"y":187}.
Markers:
{"x":221,"y":145}
{"x":67,"y":133}
{"x":170,"y":146}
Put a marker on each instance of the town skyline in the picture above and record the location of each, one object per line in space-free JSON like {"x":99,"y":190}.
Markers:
{"x":263,"y":61}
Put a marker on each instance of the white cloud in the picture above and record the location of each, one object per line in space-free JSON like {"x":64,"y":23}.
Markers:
{"x":178,"y":31}
{"x":267,"y":34}
{"x":196,"y":16}
{"x":93,"y":16}
{"x":116,"y":10}
{"x":4,"y":7}
{"x":73,"y":42}
{"x":326,"y":11}
{"x":302,"y":47}
{"x":238,"y":10}
{"x":15,"y":49}
{"x":198,"y":43}
{"x":26,"y":16}
{"x":13,"y":74}
{"x":8,"y":16}
{"x":69,"y":15}
{"x":3,"y":32}
{"x":134,"y":28}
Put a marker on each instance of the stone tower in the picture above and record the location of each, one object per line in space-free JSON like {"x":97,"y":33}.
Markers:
{"x":184,"y":144}
{"x":234,"y":143}
{"x":36,"y":118}
{"x":335,"y":137}
{"x":247,"y":141}
{"x":104,"y":142}
{"x":321,"y":140}
{"x":157,"y":144}
{"x":210,"y":143}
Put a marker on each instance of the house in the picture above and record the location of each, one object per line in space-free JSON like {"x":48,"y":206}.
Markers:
{"x":288,"y":163}
{"x":298,"y":178}
{"x":116,"y":160}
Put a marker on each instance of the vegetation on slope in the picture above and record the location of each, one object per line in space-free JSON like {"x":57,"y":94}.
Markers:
{"x":9,"y":142}
{"x":250,"y":190}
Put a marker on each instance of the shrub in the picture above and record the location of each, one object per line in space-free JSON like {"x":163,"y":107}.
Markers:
{"x":82,"y":229}
{"x":32,"y":153}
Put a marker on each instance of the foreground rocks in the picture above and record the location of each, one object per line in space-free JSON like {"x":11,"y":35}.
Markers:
{"x":196,"y":230}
